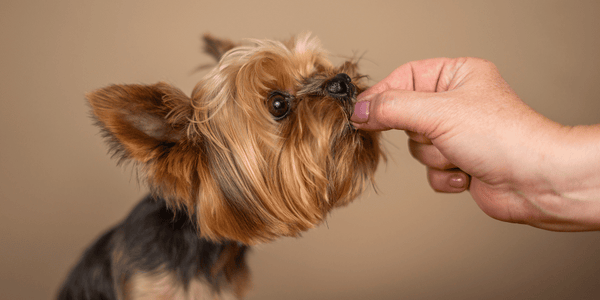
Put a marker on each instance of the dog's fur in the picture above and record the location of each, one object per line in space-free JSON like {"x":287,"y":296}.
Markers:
{"x":263,"y":148}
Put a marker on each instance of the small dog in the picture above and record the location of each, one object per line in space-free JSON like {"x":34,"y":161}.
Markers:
{"x":263,"y":148}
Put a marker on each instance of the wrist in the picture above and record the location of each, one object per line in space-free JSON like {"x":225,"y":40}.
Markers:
{"x":575,"y":162}
{"x":567,"y":192}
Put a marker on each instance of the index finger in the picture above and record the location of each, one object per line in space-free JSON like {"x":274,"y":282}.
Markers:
{"x":420,"y":76}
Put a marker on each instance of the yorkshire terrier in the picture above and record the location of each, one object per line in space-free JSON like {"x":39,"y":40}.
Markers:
{"x":263,"y":148}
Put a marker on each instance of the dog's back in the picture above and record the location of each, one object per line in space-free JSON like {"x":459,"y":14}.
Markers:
{"x":92,"y":277}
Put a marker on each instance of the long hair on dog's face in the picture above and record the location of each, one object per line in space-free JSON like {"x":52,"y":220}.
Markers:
{"x":263,"y":147}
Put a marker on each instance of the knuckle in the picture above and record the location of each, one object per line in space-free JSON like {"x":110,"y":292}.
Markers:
{"x":384,"y":106}
{"x":484,"y":64}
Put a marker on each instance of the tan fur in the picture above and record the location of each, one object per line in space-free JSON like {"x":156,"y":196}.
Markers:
{"x":165,"y":286}
{"x":223,"y":158}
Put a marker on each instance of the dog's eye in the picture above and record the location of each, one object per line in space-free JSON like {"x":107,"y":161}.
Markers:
{"x":279,"y":105}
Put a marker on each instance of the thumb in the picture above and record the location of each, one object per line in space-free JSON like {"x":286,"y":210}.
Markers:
{"x":399,"y":109}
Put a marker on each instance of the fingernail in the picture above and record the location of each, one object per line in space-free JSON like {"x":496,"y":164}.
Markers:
{"x":457,"y":181}
{"x":361,"y":112}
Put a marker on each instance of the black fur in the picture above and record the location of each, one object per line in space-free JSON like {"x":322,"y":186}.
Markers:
{"x":152,"y":237}
{"x":91,"y":278}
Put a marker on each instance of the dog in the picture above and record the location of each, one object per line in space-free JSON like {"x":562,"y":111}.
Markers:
{"x":262,"y":149}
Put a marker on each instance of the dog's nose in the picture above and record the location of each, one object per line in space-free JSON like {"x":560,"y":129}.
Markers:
{"x":340,"y":85}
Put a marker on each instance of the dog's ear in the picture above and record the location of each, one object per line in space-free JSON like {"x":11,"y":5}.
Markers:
{"x":148,"y":124}
{"x":217,"y":47}
{"x":141,"y":122}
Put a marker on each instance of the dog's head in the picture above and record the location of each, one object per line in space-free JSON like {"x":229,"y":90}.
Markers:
{"x":263,"y":147}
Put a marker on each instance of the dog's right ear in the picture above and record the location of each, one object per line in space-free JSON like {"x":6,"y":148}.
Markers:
{"x":148,"y":125}
{"x":139,"y":120}
{"x":217,"y":47}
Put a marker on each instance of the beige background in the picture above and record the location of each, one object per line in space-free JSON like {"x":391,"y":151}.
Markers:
{"x":59,"y":190}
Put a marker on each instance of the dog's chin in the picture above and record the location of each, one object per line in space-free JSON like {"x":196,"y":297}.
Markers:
{"x":351,"y":128}
{"x":349,"y":125}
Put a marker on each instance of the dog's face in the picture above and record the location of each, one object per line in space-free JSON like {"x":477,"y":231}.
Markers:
{"x":263,"y":147}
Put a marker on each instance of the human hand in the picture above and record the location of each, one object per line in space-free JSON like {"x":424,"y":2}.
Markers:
{"x":473,"y":132}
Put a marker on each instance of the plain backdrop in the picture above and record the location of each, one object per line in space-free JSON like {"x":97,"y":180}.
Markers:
{"x":59,"y":189}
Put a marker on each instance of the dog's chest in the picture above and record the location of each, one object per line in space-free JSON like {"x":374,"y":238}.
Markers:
{"x":163,"y":286}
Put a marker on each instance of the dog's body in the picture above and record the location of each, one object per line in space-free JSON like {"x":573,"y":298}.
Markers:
{"x":263,"y":148}
{"x":155,"y":253}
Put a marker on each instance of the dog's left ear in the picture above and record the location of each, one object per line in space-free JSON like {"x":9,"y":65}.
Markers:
{"x":217,"y":47}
